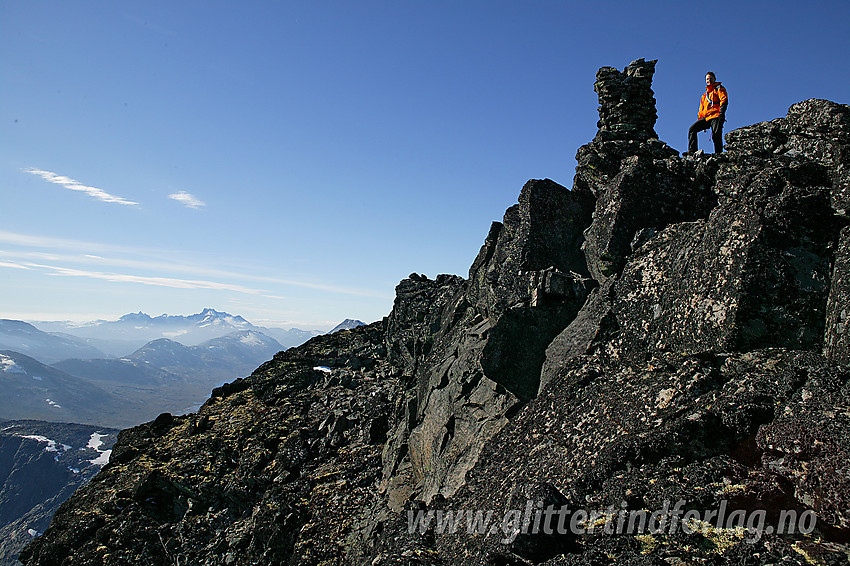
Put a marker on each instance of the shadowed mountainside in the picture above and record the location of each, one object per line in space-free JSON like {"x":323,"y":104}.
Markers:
{"x":41,"y":464}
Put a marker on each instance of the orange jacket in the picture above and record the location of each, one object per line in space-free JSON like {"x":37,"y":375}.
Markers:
{"x":713,"y":101}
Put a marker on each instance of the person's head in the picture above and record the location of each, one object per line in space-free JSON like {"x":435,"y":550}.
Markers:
{"x":710,"y":78}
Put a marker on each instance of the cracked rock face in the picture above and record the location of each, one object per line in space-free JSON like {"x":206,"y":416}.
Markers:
{"x":837,"y":340}
{"x":478,"y":346}
{"x":668,"y":329}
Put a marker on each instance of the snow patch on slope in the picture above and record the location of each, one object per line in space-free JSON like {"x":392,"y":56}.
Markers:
{"x":52,"y":445}
{"x":95,"y":443}
{"x":8,"y":365}
{"x":251,"y":339}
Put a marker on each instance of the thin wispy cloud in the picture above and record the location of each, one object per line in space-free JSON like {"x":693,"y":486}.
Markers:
{"x":13,"y":265}
{"x":146,"y":280}
{"x":73,"y":185}
{"x":121,"y":258}
{"x":85,"y":247}
{"x":187,"y":199}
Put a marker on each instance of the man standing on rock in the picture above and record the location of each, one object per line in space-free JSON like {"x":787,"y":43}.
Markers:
{"x":712,"y":114}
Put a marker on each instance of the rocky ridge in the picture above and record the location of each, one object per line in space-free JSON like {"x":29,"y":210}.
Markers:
{"x":669,"y":329}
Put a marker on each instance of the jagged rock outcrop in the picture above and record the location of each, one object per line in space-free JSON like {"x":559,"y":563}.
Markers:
{"x":471,"y":350}
{"x":637,"y":182}
{"x":669,"y":329}
{"x":543,"y":231}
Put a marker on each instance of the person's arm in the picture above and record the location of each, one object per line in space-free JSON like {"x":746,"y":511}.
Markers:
{"x":724,"y":102}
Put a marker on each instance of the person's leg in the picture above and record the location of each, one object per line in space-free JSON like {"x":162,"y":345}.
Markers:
{"x":698,"y":126}
{"x":717,"y":134}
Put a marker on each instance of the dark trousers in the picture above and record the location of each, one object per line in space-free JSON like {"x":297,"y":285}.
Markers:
{"x":701,"y":125}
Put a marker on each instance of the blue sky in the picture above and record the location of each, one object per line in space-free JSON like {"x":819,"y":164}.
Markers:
{"x":292,"y":161}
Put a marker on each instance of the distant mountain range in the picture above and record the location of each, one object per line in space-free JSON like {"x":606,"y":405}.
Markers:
{"x":162,"y":376}
{"x":57,"y":376}
{"x":132,"y":331}
{"x":27,"y":339}
{"x":42,"y":465}
{"x":172,"y":377}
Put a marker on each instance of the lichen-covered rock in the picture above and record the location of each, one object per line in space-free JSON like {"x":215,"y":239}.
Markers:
{"x":646,"y":194}
{"x":473,"y":349}
{"x":813,"y":130}
{"x":639,"y":434}
{"x":440,"y":337}
{"x":724,"y":284}
{"x":808,"y":445}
